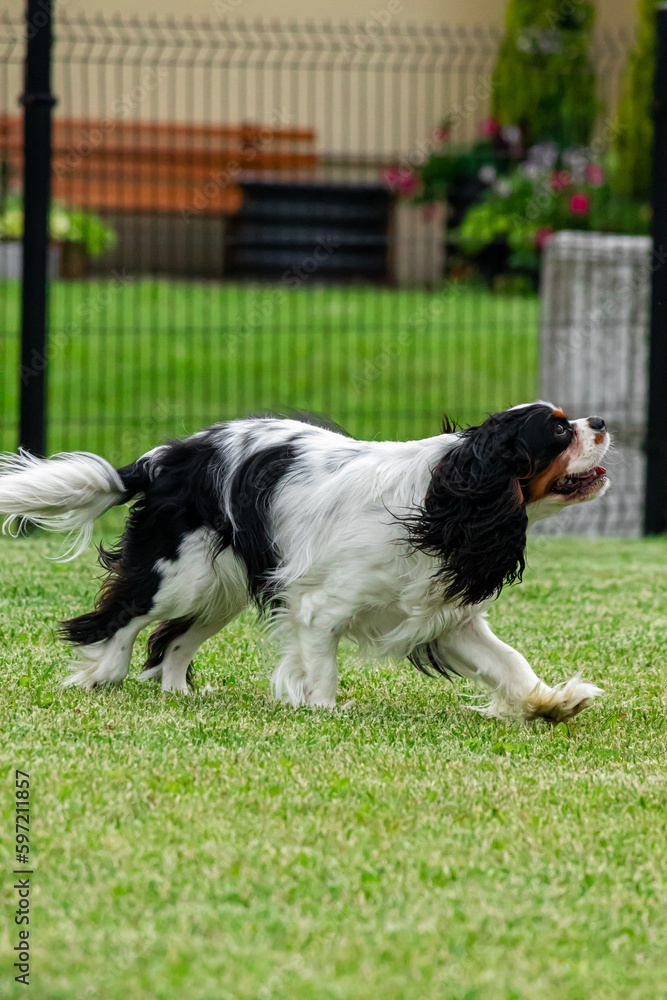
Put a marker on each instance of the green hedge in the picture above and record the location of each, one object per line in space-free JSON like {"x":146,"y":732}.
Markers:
{"x":544,"y":80}
{"x":634,"y":140}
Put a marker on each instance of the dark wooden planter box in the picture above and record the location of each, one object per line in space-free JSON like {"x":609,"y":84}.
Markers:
{"x":74,"y":261}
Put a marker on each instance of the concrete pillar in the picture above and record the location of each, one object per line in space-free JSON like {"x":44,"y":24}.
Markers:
{"x":594,"y":360}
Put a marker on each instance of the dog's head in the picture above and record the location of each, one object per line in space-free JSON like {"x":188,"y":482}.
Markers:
{"x":518,"y":466}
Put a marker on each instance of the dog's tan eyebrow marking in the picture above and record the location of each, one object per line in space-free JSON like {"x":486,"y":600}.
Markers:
{"x":559,"y":413}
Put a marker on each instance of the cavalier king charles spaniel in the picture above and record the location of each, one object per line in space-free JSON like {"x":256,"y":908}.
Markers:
{"x":398,"y":546}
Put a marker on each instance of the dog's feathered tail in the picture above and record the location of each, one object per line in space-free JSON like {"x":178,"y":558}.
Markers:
{"x":64,"y":493}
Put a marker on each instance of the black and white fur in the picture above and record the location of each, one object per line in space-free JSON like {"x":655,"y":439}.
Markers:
{"x":399,"y":546}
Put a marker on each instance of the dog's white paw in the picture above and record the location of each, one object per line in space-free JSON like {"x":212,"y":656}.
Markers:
{"x":97,"y":665}
{"x":554,"y":704}
{"x":562,"y":702}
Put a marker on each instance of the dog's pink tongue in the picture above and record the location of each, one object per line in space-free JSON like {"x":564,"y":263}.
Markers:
{"x":599,"y":471}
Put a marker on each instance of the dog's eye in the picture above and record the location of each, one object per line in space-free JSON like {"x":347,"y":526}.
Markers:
{"x":560,"y":429}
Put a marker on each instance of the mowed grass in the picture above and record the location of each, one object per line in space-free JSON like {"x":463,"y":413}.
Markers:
{"x":131,"y":361}
{"x":220,"y":846}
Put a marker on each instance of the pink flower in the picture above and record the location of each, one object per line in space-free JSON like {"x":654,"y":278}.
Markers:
{"x":407,"y":181}
{"x":541,"y":237}
{"x":580,"y":204}
{"x":594,"y":174}
{"x":560,"y":180}
{"x":440,"y":134}
{"x":400,"y":180}
{"x":390,"y":176}
{"x":489,"y":127}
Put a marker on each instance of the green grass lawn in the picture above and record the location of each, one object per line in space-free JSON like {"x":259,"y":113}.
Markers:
{"x":133,"y":361}
{"x":221,"y":846}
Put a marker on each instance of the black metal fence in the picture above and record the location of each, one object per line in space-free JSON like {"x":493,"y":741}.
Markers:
{"x":270,"y":216}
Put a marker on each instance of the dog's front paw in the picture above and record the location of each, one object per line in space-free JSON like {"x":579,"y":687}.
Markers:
{"x":553,"y":704}
{"x":562,"y":702}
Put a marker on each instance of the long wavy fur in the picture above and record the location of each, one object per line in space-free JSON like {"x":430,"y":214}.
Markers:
{"x":474,"y":516}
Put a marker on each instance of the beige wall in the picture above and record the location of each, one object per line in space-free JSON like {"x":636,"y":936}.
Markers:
{"x":611,"y":13}
{"x":423,"y":11}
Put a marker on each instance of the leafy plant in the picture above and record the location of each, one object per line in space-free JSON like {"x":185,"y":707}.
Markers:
{"x":544,"y":79}
{"x":66,"y":225}
{"x":523,"y":210}
{"x":634,"y":139}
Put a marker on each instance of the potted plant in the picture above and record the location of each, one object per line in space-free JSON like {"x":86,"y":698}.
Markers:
{"x":79,"y":235}
{"x":521,"y":211}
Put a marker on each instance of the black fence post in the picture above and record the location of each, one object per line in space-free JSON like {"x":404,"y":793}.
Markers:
{"x":655,"y":516}
{"x":37,"y":102}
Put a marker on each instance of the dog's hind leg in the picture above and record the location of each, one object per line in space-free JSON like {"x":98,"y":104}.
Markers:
{"x":135,"y":594}
{"x":172,"y":647}
{"x":106,"y":661}
{"x":195,"y":593}
{"x":160,"y":642}
{"x":104,"y":637}
{"x":219,"y":594}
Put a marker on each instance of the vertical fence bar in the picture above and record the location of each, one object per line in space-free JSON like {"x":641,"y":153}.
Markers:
{"x":655,"y":517}
{"x":37,"y":102}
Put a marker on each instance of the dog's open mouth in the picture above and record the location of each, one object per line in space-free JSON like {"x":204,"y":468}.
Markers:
{"x":580,"y":483}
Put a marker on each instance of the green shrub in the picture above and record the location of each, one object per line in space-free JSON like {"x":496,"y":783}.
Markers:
{"x":524,"y":209}
{"x":544,"y":80}
{"x":634,"y":139}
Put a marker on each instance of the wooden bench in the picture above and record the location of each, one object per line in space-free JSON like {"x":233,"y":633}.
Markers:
{"x":113,"y":165}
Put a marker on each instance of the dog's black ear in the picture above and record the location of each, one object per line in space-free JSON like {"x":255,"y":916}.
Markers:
{"x":474,"y":517}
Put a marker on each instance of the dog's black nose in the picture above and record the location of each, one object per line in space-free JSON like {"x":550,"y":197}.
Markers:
{"x":596,"y":423}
